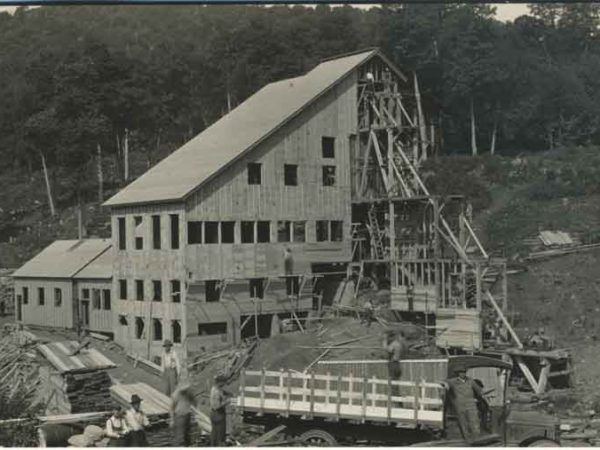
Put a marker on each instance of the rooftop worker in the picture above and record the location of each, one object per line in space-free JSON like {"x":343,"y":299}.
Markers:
{"x":136,"y":423}
{"x":169,"y":364}
{"x":219,"y":398}
{"x":464,"y":394}
{"x":396,"y":350}
{"x":116,"y":428}
{"x":182,"y":402}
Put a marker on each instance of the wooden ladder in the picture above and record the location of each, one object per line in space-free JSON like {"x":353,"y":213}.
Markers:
{"x":376,"y":235}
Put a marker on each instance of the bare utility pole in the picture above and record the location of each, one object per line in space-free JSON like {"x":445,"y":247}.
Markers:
{"x":473,"y":131}
{"x":100,"y":176}
{"x":48,"y":190}
{"x":126,"y":154}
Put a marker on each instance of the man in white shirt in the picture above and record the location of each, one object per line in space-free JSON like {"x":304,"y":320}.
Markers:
{"x":170,"y":368}
{"x":137,"y":422}
{"x":116,"y":429}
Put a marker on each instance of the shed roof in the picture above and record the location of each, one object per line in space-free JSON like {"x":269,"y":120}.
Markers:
{"x":101,"y":267}
{"x":58,"y":354}
{"x":63,"y":259}
{"x":236,"y":133}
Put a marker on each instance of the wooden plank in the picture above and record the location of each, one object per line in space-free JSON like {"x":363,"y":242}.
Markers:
{"x":265,"y":437}
{"x":528,"y":375}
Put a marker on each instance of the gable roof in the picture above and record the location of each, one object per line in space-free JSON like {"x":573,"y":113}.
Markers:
{"x":100,"y":267}
{"x":236,"y":133}
{"x":63,"y":259}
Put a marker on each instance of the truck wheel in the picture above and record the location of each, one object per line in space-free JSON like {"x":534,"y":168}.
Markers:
{"x":543,"y":443}
{"x":317,"y":438}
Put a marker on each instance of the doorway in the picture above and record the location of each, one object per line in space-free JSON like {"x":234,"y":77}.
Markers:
{"x":85,"y":313}
{"x":19,"y":308}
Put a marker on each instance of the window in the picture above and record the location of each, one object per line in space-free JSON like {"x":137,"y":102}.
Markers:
{"x":328,"y":175}
{"x":106,"y":299}
{"x":257,"y":289}
{"x":139,"y":328}
{"x":174,"y":231}
{"x":122,"y":234}
{"x":254,"y":170}
{"x":25,"y":295}
{"x":247,"y":232}
{"x":123,"y":320}
{"x":290,"y":173}
{"x":157,"y":290}
{"x":156,"y":232}
{"x":328,"y":147}
{"x":211,"y":230}
{"x":212,"y":290}
{"x":176,"y":331}
{"x":322,"y":230}
{"x":175,"y":291}
{"x":206,"y":329}
{"x":41,"y":296}
{"x":227,"y":232}
{"x":139,"y":233}
{"x":96,"y":299}
{"x":263,"y":232}
{"x":157,"y":330}
{"x":284,"y":231}
{"x":85,"y":293}
{"x":57,"y":297}
{"x":337,"y":230}
{"x":194,"y":232}
{"x":300,"y":231}
{"x":139,"y":290}
{"x":123,"y":289}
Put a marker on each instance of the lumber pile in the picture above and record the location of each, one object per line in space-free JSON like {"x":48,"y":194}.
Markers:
{"x":79,"y":392}
{"x":7,"y":291}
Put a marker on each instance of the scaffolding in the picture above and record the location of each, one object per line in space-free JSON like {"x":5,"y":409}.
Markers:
{"x":423,"y":244}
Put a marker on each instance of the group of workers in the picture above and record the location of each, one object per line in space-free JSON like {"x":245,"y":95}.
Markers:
{"x":127,"y":428}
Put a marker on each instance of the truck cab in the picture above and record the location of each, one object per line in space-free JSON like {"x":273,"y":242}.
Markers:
{"x":501,"y":422}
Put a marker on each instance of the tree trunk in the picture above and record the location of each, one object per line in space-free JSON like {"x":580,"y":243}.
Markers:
{"x":100,"y":176}
{"x":228,"y":101}
{"x":48,"y":190}
{"x":80,"y":231}
{"x":126,"y":155}
{"x":422,"y":128}
{"x":494,"y":131}
{"x":473,"y":131}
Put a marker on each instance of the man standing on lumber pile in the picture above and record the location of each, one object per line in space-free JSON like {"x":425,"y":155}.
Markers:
{"x":219,"y":398}
{"x":396,"y":350}
{"x":137,"y":422}
{"x":182,"y":402}
{"x":465,"y":395}
{"x":170,"y":367}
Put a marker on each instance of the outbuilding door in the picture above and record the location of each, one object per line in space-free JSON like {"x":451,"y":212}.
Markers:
{"x":85,"y":313}
{"x":19,"y":310}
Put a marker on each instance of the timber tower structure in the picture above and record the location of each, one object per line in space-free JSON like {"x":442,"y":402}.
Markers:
{"x":422,"y":244}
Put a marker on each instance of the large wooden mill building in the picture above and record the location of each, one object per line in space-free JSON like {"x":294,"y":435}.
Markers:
{"x":309,"y":177}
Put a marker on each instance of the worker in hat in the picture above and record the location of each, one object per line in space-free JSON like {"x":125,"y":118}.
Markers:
{"x":170,"y":367}
{"x":136,"y":423}
{"x":219,"y":398}
{"x":465,"y":394}
{"x":182,"y":402}
{"x":116,"y":428}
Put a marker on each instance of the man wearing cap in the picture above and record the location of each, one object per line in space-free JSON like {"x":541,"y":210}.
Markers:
{"x":136,"y":422}
{"x":218,"y":416}
{"x":182,"y":401}
{"x":464,"y":394}
{"x":170,"y":367}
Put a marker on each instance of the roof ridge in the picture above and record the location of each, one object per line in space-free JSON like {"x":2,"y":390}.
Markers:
{"x":345,"y":55}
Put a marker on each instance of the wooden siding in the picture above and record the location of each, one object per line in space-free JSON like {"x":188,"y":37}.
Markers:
{"x":148,"y":264}
{"x":230,"y":198}
{"x":100,"y":319}
{"x":458,"y":328}
{"x":46,"y":315}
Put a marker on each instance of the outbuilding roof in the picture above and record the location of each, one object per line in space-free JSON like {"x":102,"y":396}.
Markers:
{"x":101,"y":267}
{"x":63,"y":259}
{"x":60,"y":355}
{"x":236,"y":133}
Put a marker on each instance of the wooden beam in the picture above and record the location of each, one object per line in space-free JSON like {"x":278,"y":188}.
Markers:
{"x":528,"y":375}
{"x":265,"y":437}
{"x":503,"y":318}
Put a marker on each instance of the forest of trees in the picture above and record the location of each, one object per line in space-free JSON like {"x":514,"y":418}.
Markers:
{"x":82,"y":84}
